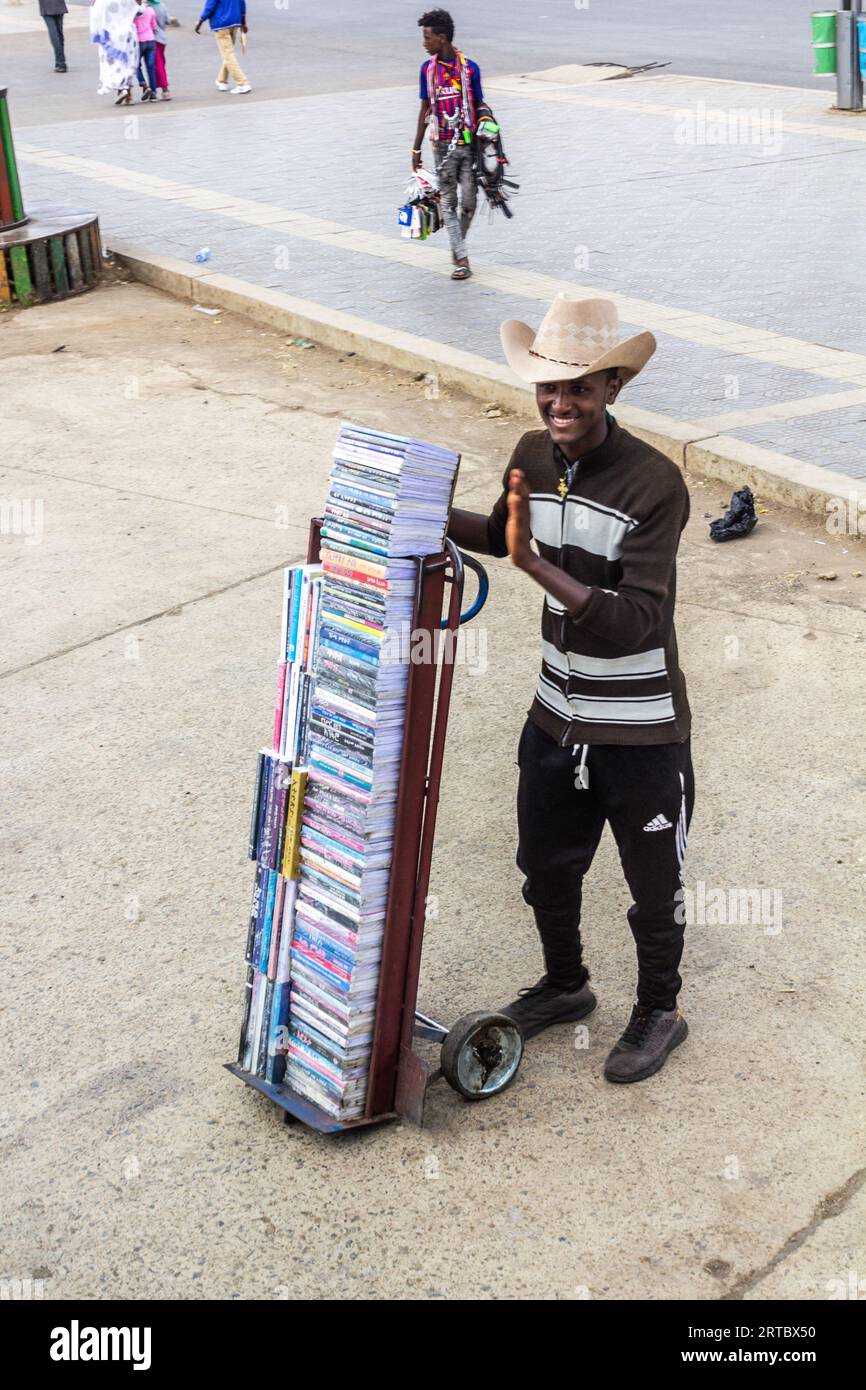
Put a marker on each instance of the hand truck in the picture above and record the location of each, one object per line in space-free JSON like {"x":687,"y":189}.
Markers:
{"x":481,"y":1052}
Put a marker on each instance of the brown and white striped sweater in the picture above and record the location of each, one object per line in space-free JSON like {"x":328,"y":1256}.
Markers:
{"x":611,"y":675}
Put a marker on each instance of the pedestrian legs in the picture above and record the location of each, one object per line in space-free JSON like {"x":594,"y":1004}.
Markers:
{"x":229,"y":65}
{"x":54,"y":23}
{"x":159,"y":63}
{"x":468,"y":190}
{"x":147,"y":61}
{"x":448,"y":168}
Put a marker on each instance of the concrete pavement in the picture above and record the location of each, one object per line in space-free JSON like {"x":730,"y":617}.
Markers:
{"x":177,"y":459}
{"x":715,"y":214}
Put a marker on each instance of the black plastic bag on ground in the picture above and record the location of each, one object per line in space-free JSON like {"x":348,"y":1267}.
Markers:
{"x":739,"y":519}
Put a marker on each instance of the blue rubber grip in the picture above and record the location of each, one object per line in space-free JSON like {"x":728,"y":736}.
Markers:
{"x":483,"y":590}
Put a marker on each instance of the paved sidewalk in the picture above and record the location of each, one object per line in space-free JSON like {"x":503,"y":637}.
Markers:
{"x":744,"y":257}
{"x":140,"y":624}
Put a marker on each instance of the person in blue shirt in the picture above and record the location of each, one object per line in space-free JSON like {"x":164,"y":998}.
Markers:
{"x":450,"y":91}
{"x":227,"y":18}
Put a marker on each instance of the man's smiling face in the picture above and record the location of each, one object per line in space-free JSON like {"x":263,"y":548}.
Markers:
{"x":574,"y":411}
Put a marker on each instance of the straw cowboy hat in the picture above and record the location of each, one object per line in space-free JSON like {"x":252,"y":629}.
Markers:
{"x":576,"y":337}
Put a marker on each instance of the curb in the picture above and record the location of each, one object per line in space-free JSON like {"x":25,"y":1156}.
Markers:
{"x":772,"y":476}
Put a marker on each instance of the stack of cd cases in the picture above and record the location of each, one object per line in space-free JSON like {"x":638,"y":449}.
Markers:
{"x":388,"y":502}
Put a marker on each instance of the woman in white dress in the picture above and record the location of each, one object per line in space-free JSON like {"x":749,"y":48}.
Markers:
{"x":112,"y":29}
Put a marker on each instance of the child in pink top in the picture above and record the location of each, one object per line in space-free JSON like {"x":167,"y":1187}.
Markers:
{"x":146,"y":26}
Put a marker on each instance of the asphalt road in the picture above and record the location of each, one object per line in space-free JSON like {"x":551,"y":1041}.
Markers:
{"x":306,"y":47}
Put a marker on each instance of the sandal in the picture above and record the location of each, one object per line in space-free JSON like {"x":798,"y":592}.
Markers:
{"x":461,"y":271}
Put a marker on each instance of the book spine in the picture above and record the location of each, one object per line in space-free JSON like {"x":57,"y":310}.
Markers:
{"x":287,"y":928}
{"x":264,"y":848}
{"x":292,"y":682}
{"x":253,"y":1026}
{"x":294,"y":816}
{"x":245,"y":1022}
{"x":278,"y":1034}
{"x":278,"y":707}
{"x":279,"y":843}
{"x":260,"y":918}
{"x":255,"y":908}
{"x":276,"y":809}
{"x":354,"y":576}
{"x":315,"y":585}
{"x":276,"y":927}
{"x":267,"y":924}
{"x":255,"y":818}
{"x":284,"y":620}
{"x":262,"y":1040}
{"x":296,"y":574}
{"x":303,"y":714}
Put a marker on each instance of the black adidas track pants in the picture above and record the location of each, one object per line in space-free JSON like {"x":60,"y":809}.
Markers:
{"x":647,"y":795}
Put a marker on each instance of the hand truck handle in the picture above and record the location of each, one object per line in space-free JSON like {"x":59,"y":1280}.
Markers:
{"x":460,"y":562}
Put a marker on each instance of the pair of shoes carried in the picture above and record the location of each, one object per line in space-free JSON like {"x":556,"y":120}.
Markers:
{"x":544,"y":1004}
{"x":240,"y":89}
{"x":643,"y":1049}
{"x":462,"y":270}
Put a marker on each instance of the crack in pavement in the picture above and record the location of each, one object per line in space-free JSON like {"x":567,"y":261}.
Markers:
{"x":779,"y":622}
{"x":199,"y":385}
{"x":172,"y":611}
{"x":150,"y":496}
{"x":831,"y":1205}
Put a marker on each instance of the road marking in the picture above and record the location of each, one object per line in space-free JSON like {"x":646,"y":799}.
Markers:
{"x":782,"y":410}
{"x":757,"y":344}
{"x":518,"y":87}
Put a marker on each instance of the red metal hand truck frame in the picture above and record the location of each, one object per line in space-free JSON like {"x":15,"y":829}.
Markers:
{"x":481,"y":1052}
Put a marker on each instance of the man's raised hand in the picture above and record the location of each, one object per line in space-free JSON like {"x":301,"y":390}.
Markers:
{"x":517,"y":532}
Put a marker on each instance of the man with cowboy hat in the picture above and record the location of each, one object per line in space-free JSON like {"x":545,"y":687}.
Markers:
{"x":607,"y":736}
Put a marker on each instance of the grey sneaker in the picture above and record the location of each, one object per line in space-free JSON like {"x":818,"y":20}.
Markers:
{"x":542,"y":1005}
{"x":644,"y":1046}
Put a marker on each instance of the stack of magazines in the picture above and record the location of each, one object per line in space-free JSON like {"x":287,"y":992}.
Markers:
{"x":274,"y":832}
{"x":389,"y":499}
{"x":324,"y":806}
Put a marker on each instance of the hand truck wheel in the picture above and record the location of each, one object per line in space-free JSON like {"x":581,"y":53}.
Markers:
{"x":481,"y":1054}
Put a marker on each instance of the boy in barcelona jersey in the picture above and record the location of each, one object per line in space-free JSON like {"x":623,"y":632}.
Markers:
{"x":450,"y":90}
{"x":607,"y":737}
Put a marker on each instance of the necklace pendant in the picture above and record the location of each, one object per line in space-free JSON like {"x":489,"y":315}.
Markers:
{"x":563,"y":487}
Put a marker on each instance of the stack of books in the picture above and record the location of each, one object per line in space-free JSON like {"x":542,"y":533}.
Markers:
{"x":324,"y":811}
{"x":389,"y":499}
{"x":302,"y":592}
{"x":274,"y":831}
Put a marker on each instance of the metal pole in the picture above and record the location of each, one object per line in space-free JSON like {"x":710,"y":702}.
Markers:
{"x":849,"y":83}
